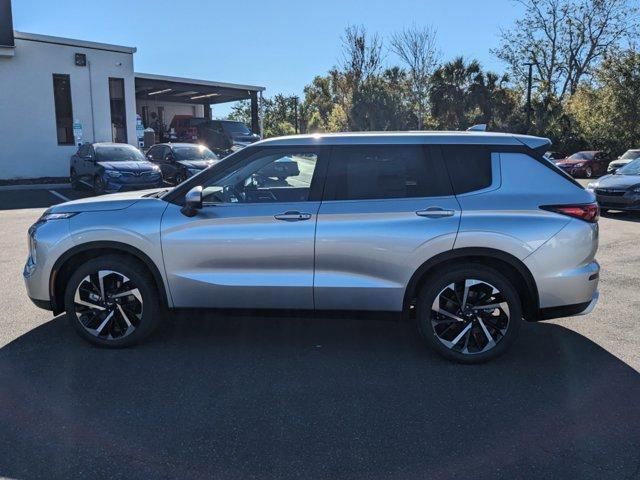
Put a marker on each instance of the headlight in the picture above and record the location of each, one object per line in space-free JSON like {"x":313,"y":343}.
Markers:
{"x":592,"y":186}
{"x":155,"y":168}
{"x":578,"y":165}
{"x":113,"y":173}
{"x":56,"y":216}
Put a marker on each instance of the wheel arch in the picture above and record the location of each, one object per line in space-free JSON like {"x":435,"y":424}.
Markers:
{"x":64,"y":266}
{"x":505,"y":263}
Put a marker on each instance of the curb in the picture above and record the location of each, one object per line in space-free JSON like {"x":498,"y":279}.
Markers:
{"x":38,"y":186}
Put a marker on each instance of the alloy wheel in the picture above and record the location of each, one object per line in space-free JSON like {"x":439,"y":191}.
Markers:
{"x":470,"y":316}
{"x":108,"y":305}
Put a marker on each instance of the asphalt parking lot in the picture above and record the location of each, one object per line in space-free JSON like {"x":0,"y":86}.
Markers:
{"x":312,"y":397}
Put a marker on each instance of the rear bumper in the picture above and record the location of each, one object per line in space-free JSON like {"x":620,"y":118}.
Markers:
{"x":569,"y":310}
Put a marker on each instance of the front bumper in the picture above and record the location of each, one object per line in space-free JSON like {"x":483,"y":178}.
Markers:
{"x":621,"y":200}
{"x":573,"y":171}
{"x":115,"y":187}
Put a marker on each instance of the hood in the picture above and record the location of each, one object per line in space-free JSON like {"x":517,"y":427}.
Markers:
{"x":199,"y":164}
{"x":621,"y":162}
{"x":132,"y":166}
{"x":113,"y":201}
{"x":618,"y":181}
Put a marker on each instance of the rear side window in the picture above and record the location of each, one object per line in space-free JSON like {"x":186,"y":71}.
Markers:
{"x":385,"y":171}
{"x":469,"y":167}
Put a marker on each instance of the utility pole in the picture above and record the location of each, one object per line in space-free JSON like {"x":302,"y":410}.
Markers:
{"x":295,"y":114}
{"x":529,"y":82}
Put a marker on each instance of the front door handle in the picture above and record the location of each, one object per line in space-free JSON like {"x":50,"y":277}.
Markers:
{"x":435,"y":212}
{"x":292,"y":216}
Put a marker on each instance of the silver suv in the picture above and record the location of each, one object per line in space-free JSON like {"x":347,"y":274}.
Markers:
{"x":466,"y":233}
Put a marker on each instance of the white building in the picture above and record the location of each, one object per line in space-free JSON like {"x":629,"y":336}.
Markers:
{"x":49,"y":85}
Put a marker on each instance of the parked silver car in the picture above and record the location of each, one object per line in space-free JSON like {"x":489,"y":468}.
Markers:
{"x":465,"y":233}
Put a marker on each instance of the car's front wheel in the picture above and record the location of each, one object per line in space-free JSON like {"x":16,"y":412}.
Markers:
{"x":469,"y":314}
{"x":73,"y":179}
{"x":112,"y":301}
{"x":588,"y":172}
{"x":98,"y":185}
{"x":180,"y":177}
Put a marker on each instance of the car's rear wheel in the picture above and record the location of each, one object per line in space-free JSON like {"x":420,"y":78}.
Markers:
{"x":469,"y":314}
{"x":112,"y":301}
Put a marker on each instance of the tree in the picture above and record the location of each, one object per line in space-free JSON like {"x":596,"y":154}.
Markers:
{"x":565,"y":39}
{"x":278,"y":115}
{"x":607,"y":113}
{"x":417,"y":49}
{"x":462,"y":95}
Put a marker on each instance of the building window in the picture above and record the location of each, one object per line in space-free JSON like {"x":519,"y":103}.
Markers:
{"x":64,"y":111}
{"x":118,"y":110}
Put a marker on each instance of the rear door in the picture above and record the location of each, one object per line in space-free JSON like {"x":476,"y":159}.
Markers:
{"x":386,"y":210}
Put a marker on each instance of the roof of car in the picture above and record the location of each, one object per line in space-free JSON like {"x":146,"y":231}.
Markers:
{"x":436,"y":137}
{"x":111,"y":144}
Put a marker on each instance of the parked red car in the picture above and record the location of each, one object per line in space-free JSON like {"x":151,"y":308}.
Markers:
{"x":588,"y":163}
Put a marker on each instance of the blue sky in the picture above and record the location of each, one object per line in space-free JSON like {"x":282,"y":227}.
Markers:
{"x":278,"y":44}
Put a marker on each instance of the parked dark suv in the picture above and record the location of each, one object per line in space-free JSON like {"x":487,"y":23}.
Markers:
{"x":225,"y":136}
{"x":179,"y":161}
{"x":112,"y":167}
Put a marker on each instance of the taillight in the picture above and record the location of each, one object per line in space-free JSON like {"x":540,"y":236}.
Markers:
{"x":589,"y":212}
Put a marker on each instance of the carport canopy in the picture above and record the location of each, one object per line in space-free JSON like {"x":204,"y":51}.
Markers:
{"x":164,"y":88}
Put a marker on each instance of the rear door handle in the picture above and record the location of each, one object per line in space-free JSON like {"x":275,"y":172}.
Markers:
{"x":292,"y":216}
{"x":435,"y":212}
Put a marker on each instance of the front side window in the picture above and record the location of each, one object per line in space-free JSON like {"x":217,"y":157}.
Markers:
{"x":236,"y":128}
{"x":119,"y":153}
{"x":63,"y":108}
{"x":264,"y":178}
{"x":118,"y":110}
{"x":384,"y":172}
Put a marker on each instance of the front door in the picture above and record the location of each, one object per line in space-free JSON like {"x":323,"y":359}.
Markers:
{"x":252,"y":243}
{"x":387,"y":209}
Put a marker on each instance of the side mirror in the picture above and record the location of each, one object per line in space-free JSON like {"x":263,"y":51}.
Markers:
{"x":192,"y":202}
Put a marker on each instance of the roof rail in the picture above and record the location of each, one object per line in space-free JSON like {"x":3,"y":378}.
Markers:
{"x":481,"y":127}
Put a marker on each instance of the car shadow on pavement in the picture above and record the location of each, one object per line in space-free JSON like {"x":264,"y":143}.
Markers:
{"x":292,"y":397}
{"x":623,"y":216}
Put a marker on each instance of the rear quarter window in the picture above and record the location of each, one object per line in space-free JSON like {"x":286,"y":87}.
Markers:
{"x":469,"y":167}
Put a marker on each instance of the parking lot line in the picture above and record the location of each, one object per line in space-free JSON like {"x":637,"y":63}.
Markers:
{"x":59,"y":195}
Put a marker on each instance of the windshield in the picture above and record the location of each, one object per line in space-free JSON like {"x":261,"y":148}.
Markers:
{"x":193,"y":152}
{"x":630,"y":155}
{"x":581,"y":156}
{"x":632,"y":168}
{"x":236,"y":128}
{"x":119,"y":153}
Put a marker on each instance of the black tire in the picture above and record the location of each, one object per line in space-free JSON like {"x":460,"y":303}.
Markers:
{"x":179,"y":178}
{"x":438,"y":283}
{"x":150,"y":311}
{"x":73,"y":179}
{"x":98,"y":185}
